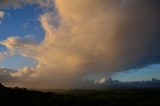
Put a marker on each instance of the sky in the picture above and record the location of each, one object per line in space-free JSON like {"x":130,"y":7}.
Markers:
{"x":17,"y":22}
{"x":57,"y":43}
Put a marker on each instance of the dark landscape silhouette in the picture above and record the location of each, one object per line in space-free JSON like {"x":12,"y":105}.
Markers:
{"x":111,"y":97}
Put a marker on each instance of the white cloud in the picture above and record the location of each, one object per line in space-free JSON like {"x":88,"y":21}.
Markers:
{"x":102,"y":80}
{"x":2,"y":14}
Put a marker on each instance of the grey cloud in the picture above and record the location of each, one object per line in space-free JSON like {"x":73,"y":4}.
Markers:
{"x":5,"y":75}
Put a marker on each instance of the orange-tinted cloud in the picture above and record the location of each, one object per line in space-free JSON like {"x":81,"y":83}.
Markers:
{"x":92,"y":36}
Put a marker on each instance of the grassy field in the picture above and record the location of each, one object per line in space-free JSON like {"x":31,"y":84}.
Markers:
{"x":112,"y":97}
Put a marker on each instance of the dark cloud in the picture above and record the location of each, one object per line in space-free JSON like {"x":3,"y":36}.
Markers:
{"x":138,"y":34}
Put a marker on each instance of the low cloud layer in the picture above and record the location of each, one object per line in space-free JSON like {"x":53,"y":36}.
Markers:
{"x":103,"y":36}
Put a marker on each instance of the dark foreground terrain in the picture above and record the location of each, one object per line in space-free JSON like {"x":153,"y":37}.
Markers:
{"x":114,"y":97}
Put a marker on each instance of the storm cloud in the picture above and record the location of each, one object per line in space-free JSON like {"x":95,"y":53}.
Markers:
{"x":91,"y":36}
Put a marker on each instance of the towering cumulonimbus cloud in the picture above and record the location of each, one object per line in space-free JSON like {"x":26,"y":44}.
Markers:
{"x":89,"y":36}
